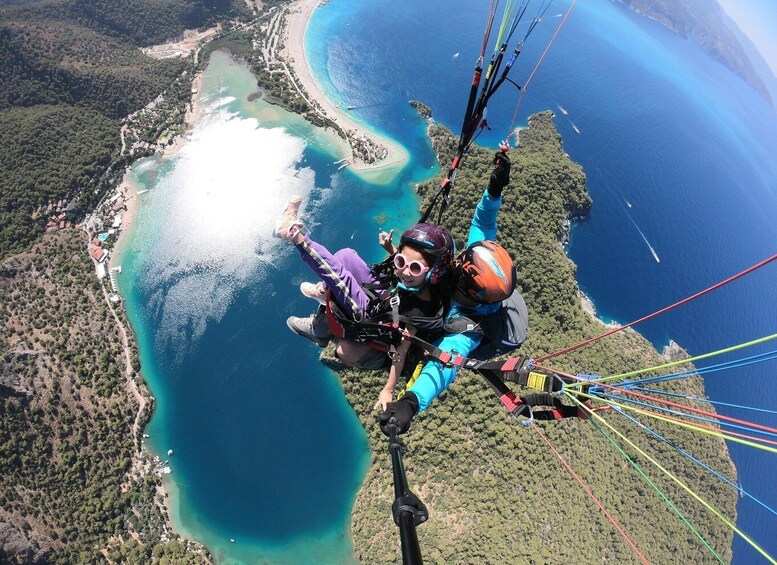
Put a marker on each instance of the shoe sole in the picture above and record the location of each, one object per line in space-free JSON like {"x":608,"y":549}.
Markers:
{"x":296,"y":199}
{"x":277,"y":228}
{"x":317,"y":341}
{"x":321,"y":301}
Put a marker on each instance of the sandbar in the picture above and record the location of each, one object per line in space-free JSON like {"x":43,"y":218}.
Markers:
{"x":298,"y":17}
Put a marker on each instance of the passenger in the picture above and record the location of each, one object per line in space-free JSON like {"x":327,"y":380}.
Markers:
{"x":358,"y":320}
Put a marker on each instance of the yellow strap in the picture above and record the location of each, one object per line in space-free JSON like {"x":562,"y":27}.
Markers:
{"x":411,"y":381}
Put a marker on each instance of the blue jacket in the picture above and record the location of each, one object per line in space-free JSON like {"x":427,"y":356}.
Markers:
{"x":434,"y":377}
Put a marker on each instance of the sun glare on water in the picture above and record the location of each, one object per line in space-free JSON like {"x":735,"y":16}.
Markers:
{"x":227,"y":186}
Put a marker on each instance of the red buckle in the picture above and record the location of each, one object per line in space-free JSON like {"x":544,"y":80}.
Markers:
{"x":510,"y":401}
{"x":511,"y":363}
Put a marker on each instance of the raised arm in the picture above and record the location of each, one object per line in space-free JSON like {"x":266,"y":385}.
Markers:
{"x":384,"y":240}
{"x":483,"y":225}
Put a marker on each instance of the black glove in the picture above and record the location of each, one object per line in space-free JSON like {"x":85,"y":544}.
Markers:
{"x":500,"y":178}
{"x":402,"y":410}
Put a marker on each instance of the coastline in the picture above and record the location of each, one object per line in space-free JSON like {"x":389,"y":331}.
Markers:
{"x":298,"y":18}
{"x":130,"y":195}
{"x":141,"y":462}
{"x":127,"y":188}
{"x":299,"y":15}
{"x":178,"y":517}
{"x":296,"y":23}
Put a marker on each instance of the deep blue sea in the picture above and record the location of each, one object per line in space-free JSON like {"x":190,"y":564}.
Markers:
{"x":266,"y":449}
{"x":681,"y":160}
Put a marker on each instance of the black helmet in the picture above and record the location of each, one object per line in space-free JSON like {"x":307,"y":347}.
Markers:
{"x":434,"y":242}
{"x":486,"y":273}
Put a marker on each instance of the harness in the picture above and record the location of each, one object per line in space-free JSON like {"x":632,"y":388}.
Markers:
{"x":519,"y":370}
{"x":503,"y":331}
{"x":380,"y":329}
{"x":383,"y":327}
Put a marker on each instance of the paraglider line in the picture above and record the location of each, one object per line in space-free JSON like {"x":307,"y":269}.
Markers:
{"x":689,"y":360}
{"x":658,"y":490}
{"x":760,"y":358}
{"x":623,"y":534}
{"x":708,"y":430}
{"x":681,"y":484}
{"x":695,"y":460}
{"x":700,"y":428}
{"x":661,"y":311}
{"x":714,"y":402}
{"x":661,"y":401}
{"x":539,"y":62}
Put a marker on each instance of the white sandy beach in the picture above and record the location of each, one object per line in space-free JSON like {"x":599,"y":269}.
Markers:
{"x":298,"y":18}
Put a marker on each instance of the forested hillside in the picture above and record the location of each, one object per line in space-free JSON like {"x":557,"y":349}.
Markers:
{"x":70,"y":71}
{"x":69,"y":493}
{"x":495,"y":491}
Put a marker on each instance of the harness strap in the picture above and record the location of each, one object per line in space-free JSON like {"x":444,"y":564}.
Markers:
{"x":378,"y":335}
{"x":335,"y":326}
{"x":515,"y":370}
{"x":448,"y":359}
{"x":558,"y":410}
{"x":394,"y":303}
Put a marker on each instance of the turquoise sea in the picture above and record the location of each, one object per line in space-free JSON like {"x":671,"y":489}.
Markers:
{"x":679,"y":155}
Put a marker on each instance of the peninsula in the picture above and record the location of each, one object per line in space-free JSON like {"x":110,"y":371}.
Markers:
{"x":369,"y":149}
{"x":704,"y":22}
{"x":273,"y":45}
{"x":495,"y":491}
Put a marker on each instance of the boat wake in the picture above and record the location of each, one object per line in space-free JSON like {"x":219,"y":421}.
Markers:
{"x":653,"y":251}
{"x":566,"y":115}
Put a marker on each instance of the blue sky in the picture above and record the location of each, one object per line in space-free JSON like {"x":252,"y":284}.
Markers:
{"x":758,"y":20}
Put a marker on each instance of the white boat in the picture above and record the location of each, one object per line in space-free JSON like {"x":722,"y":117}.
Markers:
{"x":628,"y":203}
{"x":563,"y":111}
{"x":574,"y":127}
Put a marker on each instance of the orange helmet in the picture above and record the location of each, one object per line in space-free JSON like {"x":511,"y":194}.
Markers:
{"x":486,"y":273}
